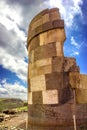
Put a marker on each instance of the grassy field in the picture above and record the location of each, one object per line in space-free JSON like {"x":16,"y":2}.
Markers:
{"x":10,"y":103}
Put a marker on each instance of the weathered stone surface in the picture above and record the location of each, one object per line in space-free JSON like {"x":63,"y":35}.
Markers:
{"x":65,"y":95}
{"x":45,"y":27}
{"x":37,"y":97}
{"x":38,"y":83}
{"x":34,"y":44}
{"x":79,"y":82}
{"x":52,"y":77}
{"x":57,"y":64}
{"x":50,"y":96}
{"x":46,"y":18}
{"x":54,"y":81}
{"x":55,"y":35}
{"x":40,"y":70}
{"x":46,"y":11}
{"x":81,"y":95}
{"x":46,"y":51}
{"x":70,"y":65}
{"x":54,"y":15}
{"x":30,"y":98}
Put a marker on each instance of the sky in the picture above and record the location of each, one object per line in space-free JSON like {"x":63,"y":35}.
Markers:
{"x":15,"y":16}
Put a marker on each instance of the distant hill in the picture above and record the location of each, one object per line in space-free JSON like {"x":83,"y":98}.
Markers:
{"x":9,"y":103}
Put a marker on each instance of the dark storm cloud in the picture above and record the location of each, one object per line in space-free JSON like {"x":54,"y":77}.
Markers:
{"x":25,"y":2}
{"x":22,"y":2}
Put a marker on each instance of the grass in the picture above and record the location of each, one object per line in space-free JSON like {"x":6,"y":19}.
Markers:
{"x":24,"y":108}
{"x":10,"y":103}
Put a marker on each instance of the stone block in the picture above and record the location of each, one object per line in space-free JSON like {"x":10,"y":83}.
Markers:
{"x":65,"y":95}
{"x":38,"y":83}
{"x":37,"y":97}
{"x":46,"y":51}
{"x":31,"y":34}
{"x":43,"y":38}
{"x":54,"y":81}
{"x":50,"y":97}
{"x":37,"y":23}
{"x":83,"y":81}
{"x":38,"y":30}
{"x":54,"y":35}
{"x":30,"y":98}
{"x":81,"y":95}
{"x":74,"y":79}
{"x":36,"y":110}
{"x":47,"y":26}
{"x":40,"y":67}
{"x":40,"y":70}
{"x":70,"y":65}
{"x":34,"y":43}
{"x":31,"y":57}
{"x":59,"y":48}
{"x":39,"y":15}
{"x":54,"y":15}
{"x":46,"y":18}
{"x":58,"y":23}
{"x":53,"y":10}
{"x":57,"y":64}
{"x":43,"y":62}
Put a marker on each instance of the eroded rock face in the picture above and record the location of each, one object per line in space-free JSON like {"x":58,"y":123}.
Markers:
{"x":50,"y":76}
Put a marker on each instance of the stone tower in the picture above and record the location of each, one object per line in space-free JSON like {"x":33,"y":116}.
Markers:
{"x":51,"y":76}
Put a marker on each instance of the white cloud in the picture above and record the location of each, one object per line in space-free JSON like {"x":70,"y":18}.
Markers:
{"x":12,"y":40}
{"x":76,"y":47}
{"x":68,"y":9}
{"x":13,"y":90}
{"x":12,"y":53}
{"x":74,"y":43}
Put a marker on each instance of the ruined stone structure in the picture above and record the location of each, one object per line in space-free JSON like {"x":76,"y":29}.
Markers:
{"x":52,"y":77}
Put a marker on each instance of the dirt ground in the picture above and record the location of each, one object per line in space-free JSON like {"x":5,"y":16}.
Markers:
{"x":18,"y":121}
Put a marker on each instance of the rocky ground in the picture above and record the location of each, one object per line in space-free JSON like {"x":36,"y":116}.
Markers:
{"x":15,"y":122}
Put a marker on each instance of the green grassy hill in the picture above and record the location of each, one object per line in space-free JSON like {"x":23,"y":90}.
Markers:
{"x":9,"y":103}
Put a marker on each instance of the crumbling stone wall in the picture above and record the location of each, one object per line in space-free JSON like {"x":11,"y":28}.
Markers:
{"x":50,"y":92}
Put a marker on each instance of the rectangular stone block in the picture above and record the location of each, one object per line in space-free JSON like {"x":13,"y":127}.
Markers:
{"x":36,"y":23}
{"x":31,"y":35}
{"x":40,"y":70}
{"x":30,"y":98}
{"x":50,"y":97}
{"x":33,"y":44}
{"x":57,"y":64}
{"x":40,"y":67}
{"x":46,"y":51}
{"x":47,"y":26}
{"x":43,"y":62}
{"x":58,"y":23}
{"x":65,"y":95}
{"x":39,"y":29}
{"x":70,"y":65}
{"x":59,"y":48}
{"x":38,"y":83}
{"x":83,"y":81}
{"x":36,"y":110}
{"x":74,"y":79}
{"x":54,"y":15}
{"x":54,"y":81}
{"x":54,"y":35}
{"x":31,"y":57}
{"x":43,"y":38}
{"x":37,"y":97}
{"x":46,"y":18}
{"x":81,"y":95}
